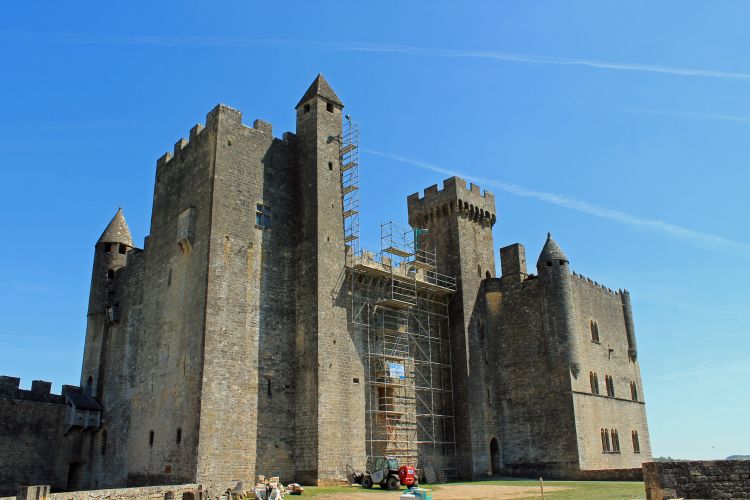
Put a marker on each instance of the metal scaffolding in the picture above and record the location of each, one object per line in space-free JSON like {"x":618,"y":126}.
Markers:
{"x":399,"y":310}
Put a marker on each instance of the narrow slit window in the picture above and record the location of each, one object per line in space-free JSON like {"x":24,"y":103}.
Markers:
{"x":179,"y":435}
{"x":307,"y":108}
{"x":594,"y":331}
{"x":636,"y":443}
{"x":151,"y":438}
{"x":329,"y":107}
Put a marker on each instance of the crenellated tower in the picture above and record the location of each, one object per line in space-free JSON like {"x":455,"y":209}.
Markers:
{"x":457,"y":223}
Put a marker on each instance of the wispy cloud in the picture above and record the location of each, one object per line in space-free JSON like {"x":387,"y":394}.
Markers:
{"x":704,"y":240}
{"x":687,"y":114}
{"x":708,"y":370}
{"x":352,"y":46}
{"x":22,"y":286}
{"x":537,"y":59}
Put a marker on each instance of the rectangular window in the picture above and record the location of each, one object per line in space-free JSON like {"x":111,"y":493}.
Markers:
{"x":262,"y":216}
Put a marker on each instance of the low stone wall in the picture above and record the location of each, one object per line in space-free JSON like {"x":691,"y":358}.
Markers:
{"x":554,"y":471}
{"x":697,"y":479}
{"x":174,"y":492}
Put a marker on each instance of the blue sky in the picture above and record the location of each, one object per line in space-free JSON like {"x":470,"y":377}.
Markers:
{"x":621,"y":127}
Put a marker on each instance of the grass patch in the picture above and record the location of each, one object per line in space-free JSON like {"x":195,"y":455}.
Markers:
{"x":594,"y":490}
{"x":575,"y":490}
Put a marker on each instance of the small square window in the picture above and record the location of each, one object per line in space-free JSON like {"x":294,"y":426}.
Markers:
{"x":329,"y":107}
{"x":262,"y":216}
{"x":123,"y":249}
{"x":307,"y":108}
{"x":108,"y":247}
{"x":330,"y":165}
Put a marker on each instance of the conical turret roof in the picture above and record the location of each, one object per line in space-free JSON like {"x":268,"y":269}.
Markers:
{"x":551,"y":251}
{"x":117,"y":231}
{"x":320,"y":88}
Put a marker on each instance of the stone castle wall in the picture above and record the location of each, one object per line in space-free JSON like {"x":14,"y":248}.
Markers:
{"x":177,"y":492}
{"x":607,"y":357}
{"x":533,"y":398}
{"x":31,"y":436}
{"x":166,"y":333}
{"x":697,"y":479}
{"x":248,"y":393}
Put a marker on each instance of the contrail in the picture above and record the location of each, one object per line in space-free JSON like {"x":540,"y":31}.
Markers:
{"x":704,"y":240}
{"x":345,"y":46}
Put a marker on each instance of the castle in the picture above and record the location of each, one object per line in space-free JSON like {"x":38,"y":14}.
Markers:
{"x":253,"y":335}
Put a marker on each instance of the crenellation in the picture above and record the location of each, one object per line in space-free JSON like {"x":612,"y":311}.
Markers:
{"x":262,"y":126}
{"x":195,"y":131}
{"x":469,"y":203}
{"x":163,"y":160}
{"x":222,"y":111}
{"x":41,"y":387}
{"x":179,"y":146}
{"x":40,"y":391}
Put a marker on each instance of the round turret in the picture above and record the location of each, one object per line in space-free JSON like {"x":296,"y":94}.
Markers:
{"x":551,"y":256}
{"x":554,"y":274}
{"x":110,"y":254}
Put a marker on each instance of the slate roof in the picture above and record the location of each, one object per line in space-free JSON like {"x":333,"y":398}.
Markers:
{"x":117,"y":231}
{"x":320,"y":88}
{"x":551,"y":251}
{"x":83,"y":402}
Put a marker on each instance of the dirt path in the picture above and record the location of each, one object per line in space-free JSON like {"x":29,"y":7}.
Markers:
{"x":453,"y":492}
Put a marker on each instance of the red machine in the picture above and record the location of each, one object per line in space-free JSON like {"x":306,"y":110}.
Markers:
{"x":383,"y":471}
{"x":406,"y":475}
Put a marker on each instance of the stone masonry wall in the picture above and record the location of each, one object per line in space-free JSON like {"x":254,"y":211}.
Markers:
{"x":538,"y":428}
{"x":168,"y":331}
{"x":177,"y":492}
{"x":697,"y":479}
{"x":607,"y":357}
{"x":247,"y":407}
{"x":31,"y":436}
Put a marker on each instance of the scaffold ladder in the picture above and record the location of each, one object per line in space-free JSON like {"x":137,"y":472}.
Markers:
{"x":349,"y":161}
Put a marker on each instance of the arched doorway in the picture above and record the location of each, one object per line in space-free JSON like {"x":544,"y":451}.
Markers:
{"x":495,"y":457}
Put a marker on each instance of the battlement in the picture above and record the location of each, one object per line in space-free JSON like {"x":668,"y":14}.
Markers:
{"x":221,"y":112}
{"x":40,"y":391}
{"x":595,"y":284}
{"x":455,"y":197}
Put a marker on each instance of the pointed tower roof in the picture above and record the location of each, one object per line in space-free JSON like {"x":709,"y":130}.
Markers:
{"x":117,"y":231}
{"x":320,"y":88}
{"x":551,"y":251}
